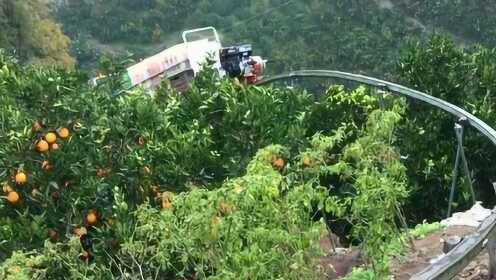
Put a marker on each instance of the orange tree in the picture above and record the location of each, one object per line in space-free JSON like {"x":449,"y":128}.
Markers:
{"x":255,"y":226}
{"x":74,"y":144}
{"x":87,"y":171}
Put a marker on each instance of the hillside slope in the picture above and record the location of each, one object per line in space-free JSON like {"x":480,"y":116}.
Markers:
{"x":29,"y":30}
{"x":358,"y":35}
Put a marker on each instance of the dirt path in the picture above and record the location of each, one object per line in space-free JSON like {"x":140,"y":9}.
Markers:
{"x":425,"y":250}
{"x":338,"y":264}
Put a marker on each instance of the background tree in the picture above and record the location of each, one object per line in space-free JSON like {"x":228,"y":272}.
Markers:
{"x":29,"y":31}
{"x":464,"y":77}
{"x":350,"y":35}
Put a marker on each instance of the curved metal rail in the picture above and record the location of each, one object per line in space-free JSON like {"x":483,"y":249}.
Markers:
{"x":458,"y":258}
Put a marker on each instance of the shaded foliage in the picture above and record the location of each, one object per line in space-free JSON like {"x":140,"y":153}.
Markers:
{"x":227,"y":163}
{"x":464,"y":77}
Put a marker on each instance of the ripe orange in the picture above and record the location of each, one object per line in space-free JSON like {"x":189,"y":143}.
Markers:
{"x":54,"y":146}
{"x":7,"y":189}
{"x":42,"y":146}
{"x":20,"y":178}
{"x":13,"y":197}
{"x":278,"y":163}
{"x":63,"y":132}
{"x":51,"y":137}
{"x":91,"y":217}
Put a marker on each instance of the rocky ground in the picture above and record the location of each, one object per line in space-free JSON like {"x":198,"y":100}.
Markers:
{"x":420,"y":253}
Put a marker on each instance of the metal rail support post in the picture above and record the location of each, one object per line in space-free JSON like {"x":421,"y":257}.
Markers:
{"x":380,"y":94}
{"x":491,"y":248}
{"x":460,"y":156}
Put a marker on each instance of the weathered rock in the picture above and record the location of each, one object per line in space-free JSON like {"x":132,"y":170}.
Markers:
{"x":471,"y":218}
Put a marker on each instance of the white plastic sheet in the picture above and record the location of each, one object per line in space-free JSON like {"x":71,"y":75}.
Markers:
{"x":471,"y":218}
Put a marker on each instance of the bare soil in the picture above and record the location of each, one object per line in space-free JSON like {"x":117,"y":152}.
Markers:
{"x":341,"y":261}
{"x":425,"y":250}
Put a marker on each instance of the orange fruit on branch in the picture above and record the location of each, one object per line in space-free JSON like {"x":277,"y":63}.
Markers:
{"x":278,"y":163}
{"x":13,"y":197}
{"x":54,"y":146}
{"x":20,"y":178}
{"x":91,"y":217}
{"x":63,"y":132}
{"x":42,"y":146}
{"x":51,"y":137}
